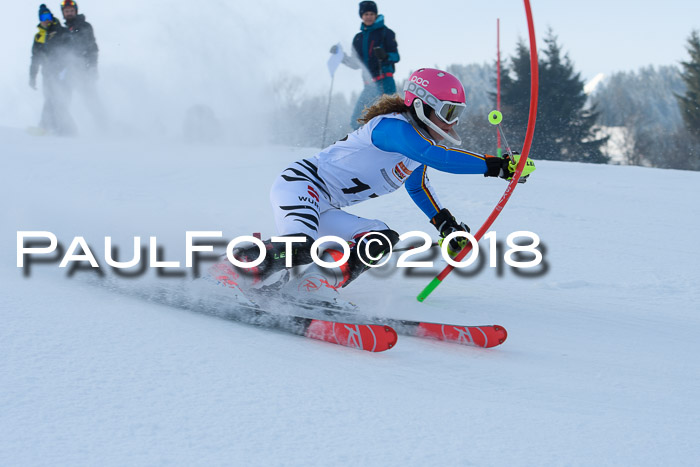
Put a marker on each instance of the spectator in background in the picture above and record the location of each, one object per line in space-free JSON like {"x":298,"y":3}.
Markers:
{"x":82,"y":58}
{"x":48,"y":54}
{"x":374,"y":49}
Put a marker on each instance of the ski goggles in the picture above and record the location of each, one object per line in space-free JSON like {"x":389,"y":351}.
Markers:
{"x":448,"y":112}
{"x":45,"y":17}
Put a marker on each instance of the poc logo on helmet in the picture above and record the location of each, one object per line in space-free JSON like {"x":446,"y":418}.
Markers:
{"x":420,"y":81}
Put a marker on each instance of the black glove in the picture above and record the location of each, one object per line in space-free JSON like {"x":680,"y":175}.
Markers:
{"x":502,"y":167}
{"x":334,"y":49}
{"x":380,"y":53}
{"x":446,"y":224}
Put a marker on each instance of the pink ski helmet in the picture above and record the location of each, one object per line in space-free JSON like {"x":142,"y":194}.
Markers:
{"x":442,"y":92}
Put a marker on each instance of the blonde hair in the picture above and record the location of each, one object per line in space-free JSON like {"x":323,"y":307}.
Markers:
{"x":384,"y":105}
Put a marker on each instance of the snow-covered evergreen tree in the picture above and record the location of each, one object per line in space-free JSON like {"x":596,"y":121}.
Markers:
{"x":690,"y":101}
{"x":565,"y":125}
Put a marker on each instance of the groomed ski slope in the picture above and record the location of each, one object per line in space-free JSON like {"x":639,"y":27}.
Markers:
{"x":600,"y":366}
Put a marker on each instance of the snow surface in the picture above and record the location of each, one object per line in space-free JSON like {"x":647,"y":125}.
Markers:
{"x":600,"y":366}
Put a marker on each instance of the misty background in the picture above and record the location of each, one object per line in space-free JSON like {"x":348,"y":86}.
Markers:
{"x":229,"y":72}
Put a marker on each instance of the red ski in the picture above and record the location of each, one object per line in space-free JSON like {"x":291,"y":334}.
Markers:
{"x":370,"y":337}
{"x":485,"y":336}
{"x":479,"y":336}
{"x":375,"y":337}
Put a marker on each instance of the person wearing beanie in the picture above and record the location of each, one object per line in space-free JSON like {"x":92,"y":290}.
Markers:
{"x":368,"y":6}
{"x":82,"y":59}
{"x":374,"y":49}
{"x":49,"y":55}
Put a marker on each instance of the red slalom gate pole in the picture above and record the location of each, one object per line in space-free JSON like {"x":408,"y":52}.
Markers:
{"x":534,"y":78}
{"x":499,"y":153}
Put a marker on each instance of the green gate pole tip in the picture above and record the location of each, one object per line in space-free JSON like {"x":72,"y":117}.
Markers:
{"x":428,"y":289}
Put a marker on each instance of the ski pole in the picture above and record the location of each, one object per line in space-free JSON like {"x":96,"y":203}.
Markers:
{"x":495,"y":118}
{"x":532,"y":117}
{"x":328,"y":111}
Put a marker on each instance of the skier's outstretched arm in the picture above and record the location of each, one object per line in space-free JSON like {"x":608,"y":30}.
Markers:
{"x":394,"y":135}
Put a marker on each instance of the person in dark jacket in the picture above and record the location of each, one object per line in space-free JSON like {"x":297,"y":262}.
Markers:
{"x":374,"y":49}
{"x":49,"y":55}
{"x":82,"y":58}
{"x":83,"y":45}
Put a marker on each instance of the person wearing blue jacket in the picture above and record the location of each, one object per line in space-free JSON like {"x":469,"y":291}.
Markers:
{"x":400,"y":140}
{"x":375,"y":51}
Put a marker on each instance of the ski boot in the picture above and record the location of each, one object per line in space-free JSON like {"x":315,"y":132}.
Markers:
{"x":319,"y":286}
{"x":264,"y":279}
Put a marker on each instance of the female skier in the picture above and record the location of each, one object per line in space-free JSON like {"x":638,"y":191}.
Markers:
{"x":396,"y":144}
